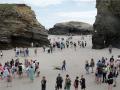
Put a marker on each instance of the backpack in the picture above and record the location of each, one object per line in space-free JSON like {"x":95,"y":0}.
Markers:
{"x":68,"y":81}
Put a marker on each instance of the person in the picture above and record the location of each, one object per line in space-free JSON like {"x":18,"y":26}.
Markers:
{"x":110,"y":80}
{"x":118,"y":63}
{"x":110,"y":49}
{"x":59,"y":81}
{"x":87,"y":67}
{"x":44,"y":48}
{"x":85,"y":43}
{"x":76,"y":83}
{"x":92,"y":64}
{"x":51,"y":48}
{"x":67,"y":83}
{"x":64,"y":65}
{"x":31,"y":73}
{"x":99,"y":74}
{"x":43,"y":83}
{"x":82,"y":83}
{"x":35,"y":51}
{"x":115,"y":75}
{"x":20,"y":70}
{"x":1,"y":54}
{"x":75,"y":46}
{"x":104,"y":74}
{"x":9,"y":80}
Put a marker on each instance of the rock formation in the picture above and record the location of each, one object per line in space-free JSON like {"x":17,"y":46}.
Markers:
{"x":107,"y":24}
{"x":71,"y":28}
{"x":19,"y":27}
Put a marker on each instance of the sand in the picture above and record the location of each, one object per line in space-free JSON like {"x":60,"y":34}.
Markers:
{"x":75,"y":66}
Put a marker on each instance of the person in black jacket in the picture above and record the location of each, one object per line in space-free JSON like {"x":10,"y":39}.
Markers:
{"x":110,"y":80}
{"x":82,"y":83}
{"x":43,"y":83}
{"x":59,"y":81}
{"x":76,"y":83}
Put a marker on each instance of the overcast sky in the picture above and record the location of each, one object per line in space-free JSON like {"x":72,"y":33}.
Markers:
{"x":50,"y":12}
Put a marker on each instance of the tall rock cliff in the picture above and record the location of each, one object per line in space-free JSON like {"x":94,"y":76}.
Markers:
{"x":19,"y":27}
{"x":107,"y":24}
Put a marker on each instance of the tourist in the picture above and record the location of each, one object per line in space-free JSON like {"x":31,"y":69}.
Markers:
{"x":118,"y":63}
{"x":76,"y":83}
{"x":37,"y":69}
{"x":82,"y":44}
{"x":67,"y":83}
{"x":59,"y":81}
{"x":62,"y":45}
{"x":110,"y":81}
{"x":9,"y":80}
{"x":35,"y":51}
{"x":1,"y":54}
{"x":110,"y":49}
{"x":31,"y":73}
{"x":17,"y":52}
{"x":115,"y":75}
{"x":105,"y":70}
{"x":6,"y":73}
{"x":87,"y":67}
{"x":85,"y":43}
{"x":92,"y":64}
{"x":51,"y":48}
{"x":43,"y":48}
{"x":20,"y":70}
{"x":82,"y":83}
{"x":43,"y":83}
{"x":99,"y":74}
{"x":27,"y":52}
{"x":64,"y":65}
{"x":1,"y":71}
{"x":75,"y":46}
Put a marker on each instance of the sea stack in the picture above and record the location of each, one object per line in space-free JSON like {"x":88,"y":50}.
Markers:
{"x":19,"y":27}
{"x":72,"y":27}
{"x":107,"y":24}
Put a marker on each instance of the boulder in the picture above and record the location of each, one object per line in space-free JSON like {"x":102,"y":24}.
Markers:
{"x":107,"y":25}
{"x":19,"y":27}
{"x":71,"y":27}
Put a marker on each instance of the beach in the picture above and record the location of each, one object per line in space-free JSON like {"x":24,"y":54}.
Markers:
{"x":75,"y":61}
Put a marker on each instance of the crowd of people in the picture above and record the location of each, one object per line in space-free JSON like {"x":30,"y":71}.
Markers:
{"x":105,"y":70}
{"x":68,"y":43}
{"x":15,"y":68}
{"x":68,"y":83}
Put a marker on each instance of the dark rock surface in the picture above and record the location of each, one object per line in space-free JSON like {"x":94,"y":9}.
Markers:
{"x":71,"y":28}
{"x":19,"y":27}
{"x":107,"y":24}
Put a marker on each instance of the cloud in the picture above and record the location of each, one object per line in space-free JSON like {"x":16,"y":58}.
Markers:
{"x":77,"y":14}
{"x":40,"y":3}
{"x":85,"y":16}
{"x":11,"y":1}
{"x":44,"y":3}
{"x":84,"y":0}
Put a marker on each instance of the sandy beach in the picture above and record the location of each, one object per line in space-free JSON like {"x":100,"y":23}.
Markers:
{"x":75,"y":66}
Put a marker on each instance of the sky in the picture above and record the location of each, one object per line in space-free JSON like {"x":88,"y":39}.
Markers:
{"x":50,"y":12}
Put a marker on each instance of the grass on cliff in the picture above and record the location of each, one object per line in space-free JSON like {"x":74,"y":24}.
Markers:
{"x":7,"y":6}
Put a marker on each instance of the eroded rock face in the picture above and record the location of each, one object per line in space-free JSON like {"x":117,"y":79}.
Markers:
{"x":71,"y":27}
{"x":19,"y":27}
{"x":107,"y":24}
